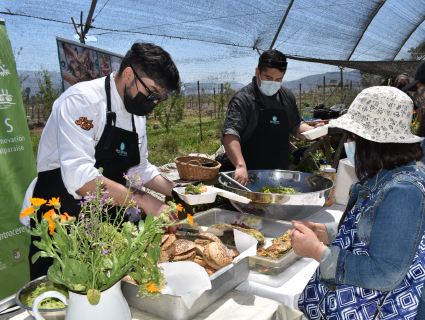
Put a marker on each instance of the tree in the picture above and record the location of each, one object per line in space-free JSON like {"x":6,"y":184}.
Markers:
{"x":170,"y":111}
{"x":47,"y":93}
{"x":221,"y":97}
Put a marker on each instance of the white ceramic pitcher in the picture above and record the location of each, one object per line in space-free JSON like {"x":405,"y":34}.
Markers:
{"x":112,"y":305}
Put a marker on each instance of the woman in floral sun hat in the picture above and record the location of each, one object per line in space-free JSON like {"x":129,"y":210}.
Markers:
{"x":373,"y":263}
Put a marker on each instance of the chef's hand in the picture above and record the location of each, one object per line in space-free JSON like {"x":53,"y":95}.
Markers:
{"x":305,"y":243}
{"x":318,"y":229}
{"x":157,"y":207}
{"x":241,"y":175}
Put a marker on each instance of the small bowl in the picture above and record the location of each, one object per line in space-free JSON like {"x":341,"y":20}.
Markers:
{"x":316,"y":132}
{"x":48,"y":314}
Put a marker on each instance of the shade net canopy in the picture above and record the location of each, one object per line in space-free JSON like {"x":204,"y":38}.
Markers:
{"x":219,"y":38}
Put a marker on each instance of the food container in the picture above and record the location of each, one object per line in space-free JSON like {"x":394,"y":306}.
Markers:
{"x":270,"y":228}
{"x":173,"y":307}
{"x":313,"y":192}
{"x":208,"y":196}
{"x":331,"y":174}
{"x":316,"y":132}
{"x":48,"y":314}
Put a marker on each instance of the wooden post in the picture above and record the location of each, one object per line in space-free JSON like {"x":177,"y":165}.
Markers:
{"x":222,"y":106}
{"x":324,"y":89}
{"x":342,"y":86}
{"x":215,"y":106}
{"x":300,"y":99}
{"x":200,"y":114}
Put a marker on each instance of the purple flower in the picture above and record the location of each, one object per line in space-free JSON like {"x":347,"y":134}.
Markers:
{"x":105,"y":252}
{"x":91,"y":247}
{"x":91,"y":235}
{"x":100,"y":244}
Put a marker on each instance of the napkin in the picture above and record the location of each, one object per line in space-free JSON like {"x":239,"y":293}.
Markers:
{"x":189,"y":280}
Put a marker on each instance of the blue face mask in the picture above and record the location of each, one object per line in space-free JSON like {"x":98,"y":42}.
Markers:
{"x":269,"y":88}
{"x":350,"y":150}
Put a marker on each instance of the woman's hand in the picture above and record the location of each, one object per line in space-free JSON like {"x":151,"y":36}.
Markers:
{"x":319,"y":230}
{"x":305,"y":242}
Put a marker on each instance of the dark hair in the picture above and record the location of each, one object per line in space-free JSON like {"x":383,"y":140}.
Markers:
{"x":403,"y":75}
{"x":272,"y":59}
{"x":370,"y":156}
{"x":153,"y":62}
{"x":421,"y":129}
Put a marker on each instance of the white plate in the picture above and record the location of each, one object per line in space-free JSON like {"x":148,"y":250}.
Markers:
{"x":208,"y":196}
{"x":316,"y":132}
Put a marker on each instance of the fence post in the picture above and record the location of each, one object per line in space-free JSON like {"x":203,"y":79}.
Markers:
{"x":222,"y":106}
{"x":300,"y":99}
{"x":324,"y":89}
{"x":200,"y":114}
{"x":215,"y":106}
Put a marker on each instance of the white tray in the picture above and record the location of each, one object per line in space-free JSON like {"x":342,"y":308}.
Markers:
{"x":316,"y":132}
{"x":208,"y":196}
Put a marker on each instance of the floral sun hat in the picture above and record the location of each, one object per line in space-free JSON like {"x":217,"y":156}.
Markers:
{"x":380,"y":114}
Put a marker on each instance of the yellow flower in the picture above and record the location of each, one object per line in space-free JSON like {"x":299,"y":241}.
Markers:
{"x":179,"y":207}
{"x":151,"y":287}
{"x":37,"y":202}
{"x":27,"y":212}
{"x":413,"y":124}
{"x":54,"y":202}
{"x":190,"y":218}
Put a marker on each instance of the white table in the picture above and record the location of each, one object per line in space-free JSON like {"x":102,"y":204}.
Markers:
{"x":234,"y":305}
{"x":296,"y":277}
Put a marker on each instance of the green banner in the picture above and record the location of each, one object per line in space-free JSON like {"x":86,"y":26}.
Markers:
{"x":17,"y":170}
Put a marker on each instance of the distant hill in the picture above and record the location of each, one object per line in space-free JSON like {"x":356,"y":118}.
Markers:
{"x":309,"y":83}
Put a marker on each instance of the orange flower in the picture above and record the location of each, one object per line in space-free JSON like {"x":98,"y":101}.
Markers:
{"x":27,"y":212}
{"x":54,"y":202}
{"x":49,"y":215}
{"x":190,"y":218}
{"x":37,"y":202}
{"x":413,"y":124}
{"x":179,"y":207}
{"x":152,"y":288}
{"x":65,"y":217}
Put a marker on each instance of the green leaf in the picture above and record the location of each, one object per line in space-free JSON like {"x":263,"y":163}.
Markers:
{"x":39,"y":254}
{"x":148,"y":220}
{"x":141,"y":226}
{"x":76,"y":272}
{"x":106,"y":263}
{"x":127,"y":232}
{"x":62,"y":243}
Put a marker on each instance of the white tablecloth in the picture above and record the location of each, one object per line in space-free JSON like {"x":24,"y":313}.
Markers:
{"x":234,"y":305}
{"x":297,"y":275}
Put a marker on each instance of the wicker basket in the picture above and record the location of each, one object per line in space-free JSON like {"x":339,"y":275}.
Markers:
{"x":190,"y":168}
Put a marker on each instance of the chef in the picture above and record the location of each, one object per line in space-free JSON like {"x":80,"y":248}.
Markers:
{"x":102,"y":123}
{"x":259,"y":120}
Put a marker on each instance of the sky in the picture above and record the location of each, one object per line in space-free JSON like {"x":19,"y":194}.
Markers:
{"x":315,"y":28}
{"x":33,"y":42}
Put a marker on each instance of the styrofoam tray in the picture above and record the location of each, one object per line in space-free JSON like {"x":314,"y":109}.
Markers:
{"x":316,"y":132}
{"x":208,"y":196}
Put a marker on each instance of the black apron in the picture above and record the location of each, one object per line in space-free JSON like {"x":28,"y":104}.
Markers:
{"x":268,"y":146}
{"x":116,"y":152}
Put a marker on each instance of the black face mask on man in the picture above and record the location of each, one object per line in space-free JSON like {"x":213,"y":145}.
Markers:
{"x":139,"y":105}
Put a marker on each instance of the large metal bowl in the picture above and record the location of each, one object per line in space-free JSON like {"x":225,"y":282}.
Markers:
{"x":48,"y":314}
{"x":314,"y":191}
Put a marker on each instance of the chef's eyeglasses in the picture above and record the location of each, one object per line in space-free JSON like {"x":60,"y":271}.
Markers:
{"x":152,"y":96}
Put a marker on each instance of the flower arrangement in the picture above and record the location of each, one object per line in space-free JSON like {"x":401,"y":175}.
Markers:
{"x":95,"y":251}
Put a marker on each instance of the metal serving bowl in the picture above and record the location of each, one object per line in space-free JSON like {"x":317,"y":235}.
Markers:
{"x":314,"y":191}
{"x":48,"y":314}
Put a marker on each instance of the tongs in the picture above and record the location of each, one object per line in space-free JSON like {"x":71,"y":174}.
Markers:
{"x":225,"y":176}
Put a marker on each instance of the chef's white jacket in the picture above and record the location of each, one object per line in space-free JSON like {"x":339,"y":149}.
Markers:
{"x":69,"y":146}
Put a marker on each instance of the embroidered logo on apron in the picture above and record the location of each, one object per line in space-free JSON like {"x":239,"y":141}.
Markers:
{"x":84,"y":123}
{"x":274,"y":121}
{"x":121,"y":152}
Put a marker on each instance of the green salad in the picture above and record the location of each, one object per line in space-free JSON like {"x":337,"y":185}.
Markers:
{"x":278,"y":189}
{"x":48,"y":303}
{"x":191,"y":189}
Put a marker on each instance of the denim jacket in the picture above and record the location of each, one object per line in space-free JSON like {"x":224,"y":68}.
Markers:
{"x":392,"y":225}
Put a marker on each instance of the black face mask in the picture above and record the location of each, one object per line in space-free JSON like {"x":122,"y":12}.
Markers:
{"x":139,"y":105}
{"x":401,"y":86}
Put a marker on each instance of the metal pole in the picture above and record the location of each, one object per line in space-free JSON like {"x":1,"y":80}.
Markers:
{"x":200,"y":114}
{"x":300,"y":98}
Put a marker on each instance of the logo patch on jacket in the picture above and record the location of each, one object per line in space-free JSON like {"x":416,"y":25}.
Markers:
{"x":122,"y":151}
{"x":84,"y":123}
